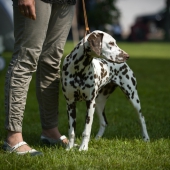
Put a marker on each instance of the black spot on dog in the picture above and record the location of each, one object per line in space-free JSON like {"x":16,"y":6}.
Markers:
{"x":74,"y":124}
{"x":72,"y":84}
{"x":76,"y":67}
{"x":88,"y":104}
{"x":132,"y":97}
{"x":87,"y":60}
{"x":127,"y":76}
{"x":104,"y":62}
{"x":79,"y":60}
{"x":123,"y":67}
{"x":74,"y":56}
{"x":133,"y":81}
{"x":87,"y":119}
{"x":73,"y":112}
{"x":76,"y":95}
{"x":121,"y":83}
{"x":103,"y":73}
{"x":116,"y":72}
{"x":125,"y":71}
{"x":93,"y":94}
{"x":129,"y":87}
{"x":66,"y":73}
{"x":64,"y":90}
{"x":127,"y":94}
{"x":84,"y":96}
{"x":88,"y":85}
{"x":65,"y":67}
{"x":101,"y":64}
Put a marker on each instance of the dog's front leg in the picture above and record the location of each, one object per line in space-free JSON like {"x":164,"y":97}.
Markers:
{"x":71,"y":111}
{"x":88,"y":125}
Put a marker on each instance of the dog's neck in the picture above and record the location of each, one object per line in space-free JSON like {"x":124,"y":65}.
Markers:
{"x":80,"y":59}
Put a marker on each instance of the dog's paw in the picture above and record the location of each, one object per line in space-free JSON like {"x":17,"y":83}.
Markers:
{"x":83,"y":147}
{"x":70,"y":145}
{"x":84,"y":144}
{"x":146,"y":139}
{"x":145,"y":136}
{"x":97,"y":137}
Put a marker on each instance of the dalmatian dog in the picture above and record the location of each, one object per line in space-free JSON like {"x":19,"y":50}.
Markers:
{"x":91,"y":72}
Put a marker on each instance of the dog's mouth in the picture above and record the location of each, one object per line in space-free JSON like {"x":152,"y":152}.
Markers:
{"x":121,"y":58}
{"x":117,"y":61}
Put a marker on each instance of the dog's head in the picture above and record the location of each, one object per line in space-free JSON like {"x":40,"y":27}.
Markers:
{"x":104,"y":45}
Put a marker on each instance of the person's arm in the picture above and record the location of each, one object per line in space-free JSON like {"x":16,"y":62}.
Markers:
{"x":27,"y":8}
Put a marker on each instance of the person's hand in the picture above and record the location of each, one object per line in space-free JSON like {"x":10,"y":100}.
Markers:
{"x":27,"y":8}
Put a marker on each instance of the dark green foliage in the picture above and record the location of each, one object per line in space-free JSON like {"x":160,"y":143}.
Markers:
{"x":100,"y":13}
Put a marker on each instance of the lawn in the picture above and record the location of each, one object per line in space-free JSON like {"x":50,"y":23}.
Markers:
{"x":122,"y":147}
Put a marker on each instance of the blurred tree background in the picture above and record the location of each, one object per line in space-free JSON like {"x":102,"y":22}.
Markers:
{"x":104,"y":15}
{"x":99,"y":13}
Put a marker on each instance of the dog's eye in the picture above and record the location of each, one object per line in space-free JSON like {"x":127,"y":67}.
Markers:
{"x":112,"y":43}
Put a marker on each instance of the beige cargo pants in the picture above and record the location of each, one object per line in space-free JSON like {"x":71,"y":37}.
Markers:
{"x":38,"y":47}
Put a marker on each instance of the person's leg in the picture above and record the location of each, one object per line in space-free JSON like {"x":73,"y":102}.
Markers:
{"x":29,"y":39}
{"x":48,"y":71}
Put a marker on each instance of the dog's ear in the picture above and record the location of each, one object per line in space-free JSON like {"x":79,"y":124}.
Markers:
{"x":95,"y":41}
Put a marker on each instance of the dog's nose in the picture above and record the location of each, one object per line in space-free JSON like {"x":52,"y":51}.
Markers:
{"x":125,"y":55}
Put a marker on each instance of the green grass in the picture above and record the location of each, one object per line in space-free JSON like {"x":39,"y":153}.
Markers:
{"x":121,"y":147}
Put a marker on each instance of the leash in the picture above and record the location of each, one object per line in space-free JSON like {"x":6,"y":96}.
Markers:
{"x":87,"y":30}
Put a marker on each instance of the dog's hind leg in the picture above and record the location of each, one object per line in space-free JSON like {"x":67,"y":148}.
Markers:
{"x":71,"y":111}
{"x":136,"y":103}
{"x":100,"y":110}
{"x":101,"y":99}
{"x":134,"y":98}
